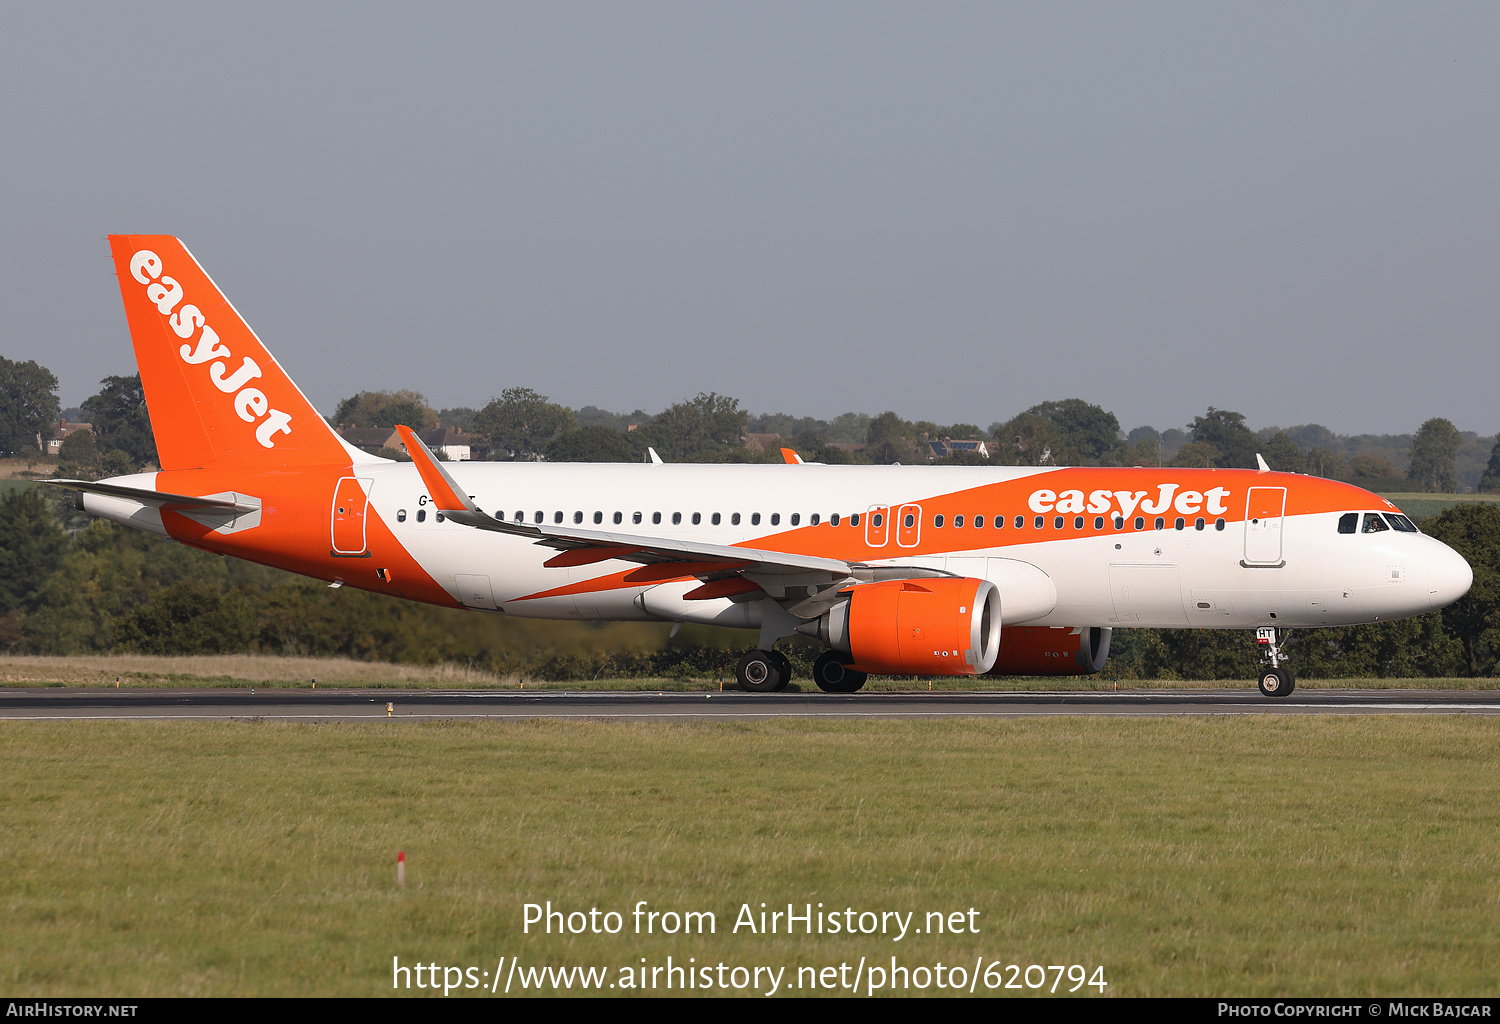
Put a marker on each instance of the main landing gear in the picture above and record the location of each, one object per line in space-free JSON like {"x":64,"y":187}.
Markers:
{"x":767,"y":671}
{"x":763,"y":671}
{"x":1275,"y":681}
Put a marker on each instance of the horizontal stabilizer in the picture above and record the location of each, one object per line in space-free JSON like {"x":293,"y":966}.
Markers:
{"x":156,"y":499}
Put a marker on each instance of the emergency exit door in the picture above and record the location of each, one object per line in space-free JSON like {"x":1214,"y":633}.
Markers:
{"x":350,"y":505}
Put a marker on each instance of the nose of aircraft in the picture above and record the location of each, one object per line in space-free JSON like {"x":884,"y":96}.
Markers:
{"x":1449,"y":576}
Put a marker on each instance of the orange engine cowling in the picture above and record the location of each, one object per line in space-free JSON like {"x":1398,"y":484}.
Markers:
{"x":1052,"y":651}
{"x":941,"y":626}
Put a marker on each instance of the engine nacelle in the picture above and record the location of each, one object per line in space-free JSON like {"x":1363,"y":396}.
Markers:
{"x":1052,"y":651}
{"x":941,"y":626}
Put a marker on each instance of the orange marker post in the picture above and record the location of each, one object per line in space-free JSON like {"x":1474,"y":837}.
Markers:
{"x":401,"y":868}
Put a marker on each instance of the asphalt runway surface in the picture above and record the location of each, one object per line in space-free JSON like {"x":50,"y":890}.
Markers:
{"x":429,"y":705}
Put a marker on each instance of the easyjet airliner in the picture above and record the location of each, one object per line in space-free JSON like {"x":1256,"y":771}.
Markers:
{"x":913,"y":570}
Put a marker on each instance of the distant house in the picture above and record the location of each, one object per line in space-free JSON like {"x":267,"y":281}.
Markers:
{"x":760,"y":442}
{"x":371,"y":439}
{"x":947,"y":446}
{"x":452,"y":443}
{"x":64,"y":428}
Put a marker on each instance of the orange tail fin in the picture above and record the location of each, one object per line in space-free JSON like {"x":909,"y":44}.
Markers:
{"x":216,"y":396}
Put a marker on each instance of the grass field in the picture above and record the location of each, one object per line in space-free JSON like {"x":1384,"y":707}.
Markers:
{"x":241,"y":670}
{"x":1212,"y":856}
{"x":1420,"y":505}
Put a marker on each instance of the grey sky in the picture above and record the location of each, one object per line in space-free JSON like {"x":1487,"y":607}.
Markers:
{"x":954,"y":211}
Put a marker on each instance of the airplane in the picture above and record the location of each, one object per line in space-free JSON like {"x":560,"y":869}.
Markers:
{"x":905,"y":570}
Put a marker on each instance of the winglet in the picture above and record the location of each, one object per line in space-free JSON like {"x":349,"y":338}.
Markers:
{"x":790,"y":457}
{"x":446,"y":494}
{"x":1261,"y":463}
{"x":655,"y":458}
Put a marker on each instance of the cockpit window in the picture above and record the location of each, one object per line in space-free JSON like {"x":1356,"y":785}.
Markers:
{"x":1373,"y":523}
{"x":1401,"y":523}
{"x":1349,"y":522}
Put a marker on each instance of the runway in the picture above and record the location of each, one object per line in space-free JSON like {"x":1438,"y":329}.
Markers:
{"x":431,"y":705}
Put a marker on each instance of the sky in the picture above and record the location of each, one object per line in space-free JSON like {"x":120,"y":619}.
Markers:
{"x":951,"y":210}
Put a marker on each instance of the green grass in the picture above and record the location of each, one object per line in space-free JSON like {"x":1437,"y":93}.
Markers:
{"x":1262,"y":856}
{"x":1420,"y":505}
{"x":238,"y":671}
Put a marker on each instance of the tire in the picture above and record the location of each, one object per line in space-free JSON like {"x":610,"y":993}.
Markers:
{"x":760,"y":672}
{"x":783,"y":663}
{"x":1276,"y":682}
{"x":833,"y":676}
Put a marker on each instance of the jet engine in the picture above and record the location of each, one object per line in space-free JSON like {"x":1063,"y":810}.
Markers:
{"x":1052,"y":651}
{"x":942,"y":626}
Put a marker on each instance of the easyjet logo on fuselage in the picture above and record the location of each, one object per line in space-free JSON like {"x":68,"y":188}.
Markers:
{"x":250,"y":404}
{"x":1168,"y":496}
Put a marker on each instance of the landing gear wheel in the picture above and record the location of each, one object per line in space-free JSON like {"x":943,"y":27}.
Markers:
{"x":1276,"y":682}
{"x":785,"y":665}
{"x":761,"y":671}
{"x":833,"y":676}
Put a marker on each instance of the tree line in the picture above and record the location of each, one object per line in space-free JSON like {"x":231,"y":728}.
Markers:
{"x":522,"y":424}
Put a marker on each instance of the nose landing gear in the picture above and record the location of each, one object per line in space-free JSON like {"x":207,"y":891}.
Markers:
{"x":1275,"y":681}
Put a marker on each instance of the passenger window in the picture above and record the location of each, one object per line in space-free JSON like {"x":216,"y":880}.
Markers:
{"x":676,"y":518}
{"x":1402,"y":523}
{"x":618,"y":519}
{"x":1140,"y":522}
{"x":656,"y":518}
{"x":1349,"y":522}
{"x":1078,"y":522}
{"x":1160,"y":522}
{"x":1181,"y":522}
{"x":598,"y":518}
{"x":716,"y":519}
{"x":876,"y":519}
{"x":1057,"y":522}
{"x":1373,"y":523}
{"x":958,"y":522}
{"x":734,"y":520}
{"x":796,"y":518}
{"x":775,"y":518}
{"x":1098,"y":522}
{"x":440,"y":517}
{"x":578,"y":518}
{"x":854,"y":519}
{"x":754,"y":518}
{"x":909,"y":521}
{"x":1119,"y":522}
{"x":1021,"y":521}
{"x":635,"y":517}
{"x":697,"y":518}
{"x":540,"y":517}
{"x":401,"y":515}
{"x":1219,"y":523}
{"x":937,"y":521}
{"x":421,"y":515}
{"x":520,"y":516}
{"x":557,"y":517}
{"x":979,"y":522}
{"x":833,"y":520}
{"x":815,"y":519}
{"x":1198,"y":523}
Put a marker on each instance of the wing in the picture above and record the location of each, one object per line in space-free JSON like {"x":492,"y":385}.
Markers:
{"x":719,"y":566}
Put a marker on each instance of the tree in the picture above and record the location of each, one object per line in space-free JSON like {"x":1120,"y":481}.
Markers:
{"x":1491,"y":479}
{"x":1472,"y":528}
{"x":1090,"y":435}
{"x":78,"y":456}
{"x":892,"y":439}
{"x":1196,"y":455}
{"x":1235,"y":443}
{"x":594,"y":443}
{"x":31,"y":547}
{"x":1282,"y":454}
{"x":28,"y":406}
{"x":1325,"y":463}
{"x":522,"y":422}
{"x":704,"y":428}
{"x":121,"y":422}
{"x":386,"y":409}
{"x":188,"y":618}
{"x":1433,"y":453}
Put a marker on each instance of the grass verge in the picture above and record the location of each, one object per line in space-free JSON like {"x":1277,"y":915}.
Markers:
{"x":1237,"y":856}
